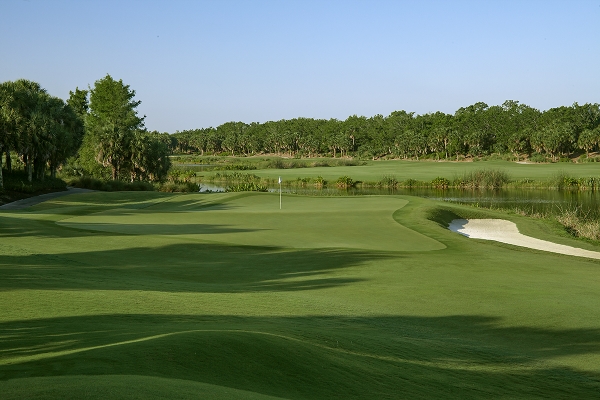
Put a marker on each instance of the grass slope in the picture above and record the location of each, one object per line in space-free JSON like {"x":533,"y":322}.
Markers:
{"x":125,"y":294}
{"x":120,"y":386}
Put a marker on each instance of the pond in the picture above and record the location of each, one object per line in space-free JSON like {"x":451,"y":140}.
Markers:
{"x":529,"y":200}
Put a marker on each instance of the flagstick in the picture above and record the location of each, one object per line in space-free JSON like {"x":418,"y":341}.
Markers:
{"x":280,"y":193}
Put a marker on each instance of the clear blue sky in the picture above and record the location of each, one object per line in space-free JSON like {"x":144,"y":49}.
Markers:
{"x":196,"y":64}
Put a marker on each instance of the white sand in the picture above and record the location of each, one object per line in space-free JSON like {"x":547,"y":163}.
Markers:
{"x":505,"y":231}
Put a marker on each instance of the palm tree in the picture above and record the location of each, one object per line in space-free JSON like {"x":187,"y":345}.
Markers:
{"x":6,"y":119}
{"x":29,"y":104}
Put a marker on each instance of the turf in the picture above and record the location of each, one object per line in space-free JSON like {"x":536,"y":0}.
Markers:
{"x":161,"y":295}
{"x":428,"y":170}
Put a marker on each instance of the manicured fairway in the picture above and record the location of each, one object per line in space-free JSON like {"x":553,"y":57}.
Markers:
{"x":428,"y":170}
{"x":145,"y":295}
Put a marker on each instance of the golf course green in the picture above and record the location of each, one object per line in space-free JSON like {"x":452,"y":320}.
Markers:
{"x":224,"y":295}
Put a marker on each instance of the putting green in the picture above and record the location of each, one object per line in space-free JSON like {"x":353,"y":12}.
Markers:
{"x":255,"y":219}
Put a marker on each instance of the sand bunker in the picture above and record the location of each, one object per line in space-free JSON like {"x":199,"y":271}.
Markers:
{"x":505,"y":231}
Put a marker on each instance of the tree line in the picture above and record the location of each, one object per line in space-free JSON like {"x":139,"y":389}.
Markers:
{"x":476,"y":130}
{"x":96,"y":132}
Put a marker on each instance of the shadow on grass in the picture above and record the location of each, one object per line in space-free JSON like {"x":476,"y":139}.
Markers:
{"x":159,"y":229}
{"x":189,"y":267}
{"x":312,"y":357}
{"x":11,"y":226}
{"x":74,"y":229}
{"x":87,"y":203}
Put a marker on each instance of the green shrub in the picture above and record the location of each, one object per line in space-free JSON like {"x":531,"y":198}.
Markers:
{"x":590,"y":183}
{"x":88,"y":182}
{"x":440,"y":183}
{"x":388,"y":181}
{"x":563,"y":181}
{"x":16,"y":181}
{"x":181,"y":175}
{"x":319,"y":182}
{"x":178,"y":187}
{"x":410,"y":183}
{"x":585,"y":159}
{"x":538,"y":158}
{"x":344,"y":182}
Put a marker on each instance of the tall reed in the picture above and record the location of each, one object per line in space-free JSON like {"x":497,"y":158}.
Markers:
{"x":483,"y":178}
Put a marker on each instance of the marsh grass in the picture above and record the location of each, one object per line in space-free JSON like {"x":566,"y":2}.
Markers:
{"x":388,"y":181}
{"x":580,"y":224}
{"x":246,"y":187}
{"x":483,"y":178}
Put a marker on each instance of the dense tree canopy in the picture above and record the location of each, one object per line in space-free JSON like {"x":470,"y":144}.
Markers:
{"x":475,"y":130}
{"x":43,"y":130}
{"x":115,"y":134}
{"x":100,"y":127}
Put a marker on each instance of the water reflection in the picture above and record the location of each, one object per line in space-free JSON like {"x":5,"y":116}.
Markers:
{"x":529,"y":200}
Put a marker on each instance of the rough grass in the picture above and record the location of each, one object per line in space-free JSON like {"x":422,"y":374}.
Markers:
{"x":579,"y":225}
{"x":103,"y":294}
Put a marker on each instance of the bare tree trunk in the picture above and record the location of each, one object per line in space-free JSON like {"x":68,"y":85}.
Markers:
{"x":8,"y":161}
{"x":29,"y":169}
{"x":1,"y":177}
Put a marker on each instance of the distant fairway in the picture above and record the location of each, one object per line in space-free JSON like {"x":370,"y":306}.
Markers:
{"x":428,"y":170}
{"x":151,"y":295}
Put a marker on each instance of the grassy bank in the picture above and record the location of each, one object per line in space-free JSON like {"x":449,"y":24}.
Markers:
{"x":226,"y":295}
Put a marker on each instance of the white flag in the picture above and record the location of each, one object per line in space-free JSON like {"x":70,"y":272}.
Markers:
{"x":280,"y":180}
